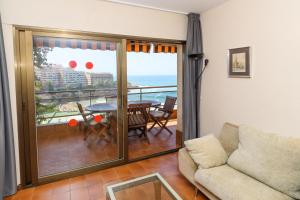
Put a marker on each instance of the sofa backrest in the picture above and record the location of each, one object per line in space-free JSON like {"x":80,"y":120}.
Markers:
{"x":271,"y":158}
{"x":229,"y":137}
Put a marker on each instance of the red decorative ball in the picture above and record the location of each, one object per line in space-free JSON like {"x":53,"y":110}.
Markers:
{"x":98,"y":118}
{"x":89,"y":65}
{"x":73,"y":122}
{"x":72,"y":64}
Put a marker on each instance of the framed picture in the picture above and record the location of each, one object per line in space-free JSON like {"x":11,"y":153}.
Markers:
{"x":239,"y":62}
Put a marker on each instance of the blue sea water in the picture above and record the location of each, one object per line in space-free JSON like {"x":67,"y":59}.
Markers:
{"x":153,"y":80}
{"x":158,"y":94}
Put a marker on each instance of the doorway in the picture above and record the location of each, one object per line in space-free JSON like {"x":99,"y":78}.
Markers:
{"x":73,"y":104}
{"x":67,"y":82}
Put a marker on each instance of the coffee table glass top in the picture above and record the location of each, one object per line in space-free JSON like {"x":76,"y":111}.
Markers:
{"x":150,"y":187}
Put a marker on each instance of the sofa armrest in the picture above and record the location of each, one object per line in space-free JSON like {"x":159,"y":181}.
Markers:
{"x":187,"y":166}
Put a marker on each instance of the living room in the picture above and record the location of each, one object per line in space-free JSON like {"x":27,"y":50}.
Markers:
{"x":221,"y":101}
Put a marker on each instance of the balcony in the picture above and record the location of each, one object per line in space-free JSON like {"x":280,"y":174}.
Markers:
{"x":66,"y":100}
{"x":62,"y":148}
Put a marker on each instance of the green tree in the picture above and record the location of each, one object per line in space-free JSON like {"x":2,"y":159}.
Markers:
{"x":40,"y":56}
{"x":43,"y":109}
{"x":39,"y":61}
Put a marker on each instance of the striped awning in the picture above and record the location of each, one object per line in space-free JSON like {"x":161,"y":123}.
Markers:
{"x":39,"y":42}
{"x":138,"y":46}
{"x":165,"y":48}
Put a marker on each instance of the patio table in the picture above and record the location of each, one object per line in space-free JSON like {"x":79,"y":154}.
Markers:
{"x":111,"y":110}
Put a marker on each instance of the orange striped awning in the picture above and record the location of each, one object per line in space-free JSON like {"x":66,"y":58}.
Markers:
{"x":165,"y":48}
{"x":138,"y":46}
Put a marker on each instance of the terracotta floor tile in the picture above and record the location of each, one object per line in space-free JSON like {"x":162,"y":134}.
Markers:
{"x":96,"y":191}
{"x":42,"y":197}
{"x":44,"y":189}
{"x":61,"y":186}
{"x":25,"y":194}
{"x":136,"y":169}
{"x":80,"y":194}
{"x":62,"y":196}
{"x":42,"y":192}
{"x":123,"y":171}
{"x":77,"y":182}
{"x":101,"y":198}
{"x":93,"y":186}
{"x":93,"y":179}
{"x":149,"y":165}
{"x":109,"y":175}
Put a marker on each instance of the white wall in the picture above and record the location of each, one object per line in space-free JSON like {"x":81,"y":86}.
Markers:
{"x":83,"y":15}
{"x":95,"y":16}
{"x":271,"y":98}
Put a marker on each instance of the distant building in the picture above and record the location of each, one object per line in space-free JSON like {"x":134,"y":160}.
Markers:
{"x":72,"y":78}
{"x":51,"y":74}
{"x":59,"y":77}
{"x":101,"y":78}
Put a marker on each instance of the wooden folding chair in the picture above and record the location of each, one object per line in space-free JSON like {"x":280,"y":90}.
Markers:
{"x":138,"y":117}
{"x":162,"y":116}
{"x":91,"y":127}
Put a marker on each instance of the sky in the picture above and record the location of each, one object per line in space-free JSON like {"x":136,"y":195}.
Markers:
{"x":105,"y":61}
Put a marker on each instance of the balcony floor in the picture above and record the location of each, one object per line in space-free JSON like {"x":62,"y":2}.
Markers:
{"x":61,"y":148}
{"x":139,"y":147}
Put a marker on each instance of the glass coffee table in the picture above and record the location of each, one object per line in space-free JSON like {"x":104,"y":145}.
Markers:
{"x":150,"y":187}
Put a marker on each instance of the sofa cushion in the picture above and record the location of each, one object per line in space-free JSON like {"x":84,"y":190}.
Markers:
{"x":206,"y":151}
{"x":229,"y":137}
{"x":269,"y":158}
{"x":230,"y":184}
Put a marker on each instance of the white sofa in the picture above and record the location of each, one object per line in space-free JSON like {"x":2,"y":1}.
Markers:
{"x":236,"y":183}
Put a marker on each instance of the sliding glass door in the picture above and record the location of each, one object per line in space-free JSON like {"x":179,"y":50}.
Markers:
{"x":74,"y":97}
{"x":80,"y":109}
{"x":152,"y":78}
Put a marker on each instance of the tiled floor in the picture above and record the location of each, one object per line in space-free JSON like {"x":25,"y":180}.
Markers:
{"x":93,"y":186}
{"x":62,"y":148}
{"x":139,"y":147}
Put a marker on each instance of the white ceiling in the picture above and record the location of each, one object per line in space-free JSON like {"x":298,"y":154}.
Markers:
{"x":178,"y":6}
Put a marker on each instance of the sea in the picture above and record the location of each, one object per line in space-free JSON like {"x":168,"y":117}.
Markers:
{"x":152,"y":80}
{"x":158,"y":94}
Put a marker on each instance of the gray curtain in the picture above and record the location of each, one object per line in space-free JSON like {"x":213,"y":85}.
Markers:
{"x":8,"y":180}
{"x":191,"y":102}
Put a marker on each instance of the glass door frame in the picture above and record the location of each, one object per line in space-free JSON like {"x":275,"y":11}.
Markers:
{"x":27,"y":125}
{"x":24,"y":73}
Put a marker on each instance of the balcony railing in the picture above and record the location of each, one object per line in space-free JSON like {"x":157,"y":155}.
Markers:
{"x":65,"y":101}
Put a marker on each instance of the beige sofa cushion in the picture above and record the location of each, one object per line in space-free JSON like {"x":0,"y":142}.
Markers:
{"x":230,"y":184}
{"x":206,"y":151}
{"x":270,"y":158}
{"x":229,"y":137}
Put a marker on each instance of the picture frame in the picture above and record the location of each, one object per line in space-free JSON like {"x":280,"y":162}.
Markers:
{"x":239,"y":62}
